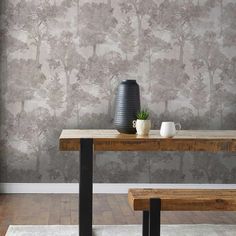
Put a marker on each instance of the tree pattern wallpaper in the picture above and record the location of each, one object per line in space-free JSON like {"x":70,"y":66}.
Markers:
{"x":61,"y":63}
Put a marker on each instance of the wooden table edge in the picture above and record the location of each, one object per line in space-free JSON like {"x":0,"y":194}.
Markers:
{"x":182,"y":145}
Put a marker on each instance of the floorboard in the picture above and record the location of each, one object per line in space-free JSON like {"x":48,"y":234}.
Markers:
{"x":53,"y":209}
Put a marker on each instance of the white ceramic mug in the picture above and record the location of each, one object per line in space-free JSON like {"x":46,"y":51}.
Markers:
{"x":168,"y":129}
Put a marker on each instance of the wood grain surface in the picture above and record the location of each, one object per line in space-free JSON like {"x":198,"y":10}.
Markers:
{"x":184,"y":199}
{"x":185,"y":140}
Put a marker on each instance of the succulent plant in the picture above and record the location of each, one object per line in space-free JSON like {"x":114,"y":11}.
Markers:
{"x":142,"y":115}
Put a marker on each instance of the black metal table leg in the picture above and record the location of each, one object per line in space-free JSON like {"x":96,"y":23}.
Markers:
{"x":86,"y":187}
{"x":145,"y":223}
{"x":155,"y":217}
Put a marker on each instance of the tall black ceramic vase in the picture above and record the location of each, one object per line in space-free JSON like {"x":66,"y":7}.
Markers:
{"x":127,"y":106}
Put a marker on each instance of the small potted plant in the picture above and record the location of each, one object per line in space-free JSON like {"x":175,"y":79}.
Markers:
{"x":142,"y":124}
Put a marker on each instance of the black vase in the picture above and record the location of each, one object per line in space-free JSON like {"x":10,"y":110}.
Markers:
{"x":127,"y":106}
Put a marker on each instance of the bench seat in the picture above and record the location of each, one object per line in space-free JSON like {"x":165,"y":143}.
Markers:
{"x":184,"y":199}
{"x":153,"y":201}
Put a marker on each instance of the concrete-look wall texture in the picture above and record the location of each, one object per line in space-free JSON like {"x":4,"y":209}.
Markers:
{"x":61,"y":62}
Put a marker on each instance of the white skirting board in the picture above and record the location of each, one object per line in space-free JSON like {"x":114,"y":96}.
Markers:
{"x":97,"y":187}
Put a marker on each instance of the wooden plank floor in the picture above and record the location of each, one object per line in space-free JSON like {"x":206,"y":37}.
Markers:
{"x":108,"y":209}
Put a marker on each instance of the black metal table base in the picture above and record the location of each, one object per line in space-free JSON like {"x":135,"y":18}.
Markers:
{"x":86,"y":187}
{"x":152,"y":218}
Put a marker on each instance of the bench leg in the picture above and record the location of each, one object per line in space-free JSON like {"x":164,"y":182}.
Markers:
{"x":145,"y":223}
{"x":155,"y":217}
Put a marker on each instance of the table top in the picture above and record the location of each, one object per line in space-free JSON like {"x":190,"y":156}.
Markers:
{"x":185,"y":140}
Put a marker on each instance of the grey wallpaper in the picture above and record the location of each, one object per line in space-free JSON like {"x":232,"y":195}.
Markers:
{"x":61,"y":62}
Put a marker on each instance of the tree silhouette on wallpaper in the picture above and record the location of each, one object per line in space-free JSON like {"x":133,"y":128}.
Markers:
{"x":61,"y":62}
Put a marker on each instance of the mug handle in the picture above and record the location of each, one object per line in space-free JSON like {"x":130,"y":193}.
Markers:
{"x":134,"y":123}
{"x":179,"y":127}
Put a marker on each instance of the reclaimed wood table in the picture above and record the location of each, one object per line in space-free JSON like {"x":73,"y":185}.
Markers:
{"x":88,"y":141}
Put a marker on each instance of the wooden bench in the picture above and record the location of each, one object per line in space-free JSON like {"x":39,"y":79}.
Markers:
{"x":153,"y":201}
